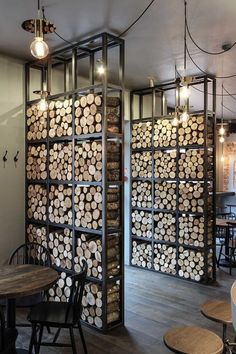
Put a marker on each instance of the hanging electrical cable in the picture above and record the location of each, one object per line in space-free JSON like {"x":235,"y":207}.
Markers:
{"x":209,"y":93}
{"x":229,"y":94}
{"x":204,"y":72}
{"x":198,"y":46}
{"x":122,"y":33}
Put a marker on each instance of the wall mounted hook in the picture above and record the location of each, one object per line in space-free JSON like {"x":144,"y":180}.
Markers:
{"x":5,"y":156}
{"x":16,"y":157}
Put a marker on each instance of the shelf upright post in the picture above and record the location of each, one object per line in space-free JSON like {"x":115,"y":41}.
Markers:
{"x":214,"y":176}
{"x":104,"y":180}
{"x":121,"y":236}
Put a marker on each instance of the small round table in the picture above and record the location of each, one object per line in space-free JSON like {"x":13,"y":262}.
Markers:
{"x":23,"y":280}
{"x":218,"y":311}
{"x":193,"y":340}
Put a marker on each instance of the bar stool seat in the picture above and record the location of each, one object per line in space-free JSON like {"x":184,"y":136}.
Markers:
{"x":218,"y":311}
{"x":193,"y":340}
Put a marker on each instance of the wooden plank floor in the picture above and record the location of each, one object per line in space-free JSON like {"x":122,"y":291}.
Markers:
{"x":154,"y":303}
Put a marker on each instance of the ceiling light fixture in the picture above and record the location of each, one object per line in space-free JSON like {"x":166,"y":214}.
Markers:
{"x":43,"y":104}
{"x":100,"y":67}
{"x":184,"y":116}
{"x":185,"y":80}
{"x":39,"y":26}
{"x":221,"y":139}
{"x":175,"y":121}
{"x":222,"y":129}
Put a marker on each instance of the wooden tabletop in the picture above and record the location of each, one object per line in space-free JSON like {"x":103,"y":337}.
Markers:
{"x":23,"y":280}
{"x":193,"y":340}
{"x":225,"y":222}
{"x":218,"y":311}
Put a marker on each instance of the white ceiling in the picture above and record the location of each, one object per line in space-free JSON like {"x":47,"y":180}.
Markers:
{"x":153,"y":46}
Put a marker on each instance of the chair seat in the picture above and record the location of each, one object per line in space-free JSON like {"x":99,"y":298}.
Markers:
{"x":218,"y":311}
{"x":193,"y":340}
{"x":52,"y":314}
{"x":9,"y":341}
{"x":28,"y":301}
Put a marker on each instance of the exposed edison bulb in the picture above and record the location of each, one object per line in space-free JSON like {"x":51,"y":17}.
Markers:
{"x":43,"y":105}
{"x":222,"y":130}
{"x":101,"y":69}
{"x":185,"y":92}
{"x":222,"y":158}
{"x":222,"y":139}
{"x":184,"y":116}
{"x":175,"y":121}
{"x":39,"y":49}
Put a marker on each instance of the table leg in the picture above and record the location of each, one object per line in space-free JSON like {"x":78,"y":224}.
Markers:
{"x":11,"y":320}
{"x":227,"y":244}
{"x":11,"y":313}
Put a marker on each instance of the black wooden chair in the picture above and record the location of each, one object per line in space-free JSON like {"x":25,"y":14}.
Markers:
{"x":231,"y":247}
{"x":61,"y":315}
{"x":7,"y":337}
{"x":30,"y":253}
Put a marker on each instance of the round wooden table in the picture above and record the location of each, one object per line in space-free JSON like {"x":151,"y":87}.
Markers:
{"x":193,"y":340}
{"x":23,"y":280}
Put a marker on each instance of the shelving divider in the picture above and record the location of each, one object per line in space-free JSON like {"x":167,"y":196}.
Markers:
{"x":103,"y":301}
{"x":195,"y":259}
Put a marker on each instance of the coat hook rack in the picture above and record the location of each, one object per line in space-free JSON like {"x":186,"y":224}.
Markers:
{"x":5,"y":158}
{"x":16,"y":157}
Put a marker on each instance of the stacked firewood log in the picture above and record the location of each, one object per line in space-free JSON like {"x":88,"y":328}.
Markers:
{"x":37,"y":234}
{"x":60,"y":246}
{"x":36,"y":123}
{"x":60,"y":204}
{"x":165,"y":258}
{"x":88,"y":114}
{"x":191,"y":197}
{"x":60,"y":115}
{"x":141,"y":163}
{"x":36,"y":165}
{"x":141,"y":224}
{"x":141,"y":135}
{"x":191,"y":264}
{"x":37,"y":202}
{"x":164,"y":227}
{"x":141,"y":194}
{"x":192,"y":131}
{"x":165,"y":134}
{"x":90,"y":249}
{"x":142,"y":254}
{"x":60,"y":161}
{"x":165,"y":164}
{"x":165,"y":196}
{"x":92,"y":304}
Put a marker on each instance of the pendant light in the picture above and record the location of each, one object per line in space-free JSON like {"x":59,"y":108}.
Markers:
{"x":100,"y":67}
{"x":185,"y":80}
{"x":175,"y":121}
{"x":39,"y":26}
{"x":222,"y":129}
{"x":43,"y":104}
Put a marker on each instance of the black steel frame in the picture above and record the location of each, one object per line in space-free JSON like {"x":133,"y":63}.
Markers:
{"x":209,"y":117}
{"x":87,"y":48}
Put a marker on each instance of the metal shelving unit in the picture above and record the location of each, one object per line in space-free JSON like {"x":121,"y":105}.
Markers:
{"x":68,"y":61}
{"x":144,"y":109}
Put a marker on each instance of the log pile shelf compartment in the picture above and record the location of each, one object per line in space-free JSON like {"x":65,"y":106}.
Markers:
{"x":173,"y":184}
{"x":74,"y":175}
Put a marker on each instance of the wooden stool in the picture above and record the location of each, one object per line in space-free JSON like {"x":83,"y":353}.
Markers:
{"x":193,"y":340}
{"x":218,"y":311}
